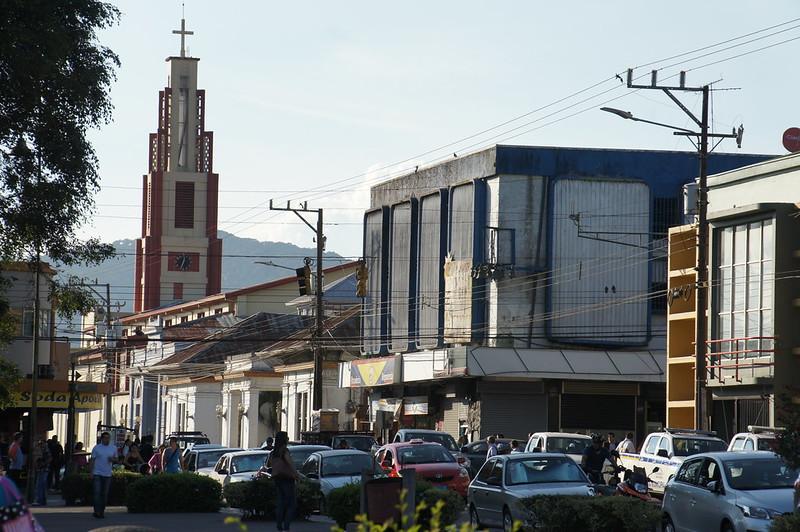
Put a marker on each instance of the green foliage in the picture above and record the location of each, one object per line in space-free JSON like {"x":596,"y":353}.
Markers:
{"x":178,"y":492}
{"x":344,"y":504}
{"x":788,"y":416}
{"x":257,"y":498}
{"x":786,"y":523}
{"x":623,"y":514}
{"x":71,"y":297}
{"x":451,"y":505}
{"x":9,"y":379}
{"x":77,"y":488}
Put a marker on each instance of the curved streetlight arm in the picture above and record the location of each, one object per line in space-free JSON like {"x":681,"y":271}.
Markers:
{"x":627,"y":115}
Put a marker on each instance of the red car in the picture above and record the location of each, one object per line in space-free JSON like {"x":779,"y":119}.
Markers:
{"x":430,"y":461}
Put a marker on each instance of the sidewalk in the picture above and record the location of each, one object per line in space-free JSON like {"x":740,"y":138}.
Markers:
{"x":56,"y":517}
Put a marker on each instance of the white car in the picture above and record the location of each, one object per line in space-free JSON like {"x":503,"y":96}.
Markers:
{"x":239,"y":466}
{"x":568,"y":443}
{"x":728,"y":491}
{"x":336,"y":468}
{"x":755,"y":439}
{"x":205,"y":456}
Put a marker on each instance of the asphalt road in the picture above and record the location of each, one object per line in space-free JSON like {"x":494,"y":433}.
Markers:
{"x":79,"y":519}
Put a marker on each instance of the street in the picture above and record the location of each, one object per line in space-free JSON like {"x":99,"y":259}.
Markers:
{"x":79,"y":519}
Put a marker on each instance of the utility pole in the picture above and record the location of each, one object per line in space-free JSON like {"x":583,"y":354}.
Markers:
{"x":317,"y":340}
{"x":108,"y":350}
{"x":701,"y":320}
{"x":70,"y":442}
{"x":32,"y":435}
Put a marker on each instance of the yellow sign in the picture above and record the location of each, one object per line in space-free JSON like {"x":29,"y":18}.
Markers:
{"x":373,"y":372}
{"x":60,"y":400}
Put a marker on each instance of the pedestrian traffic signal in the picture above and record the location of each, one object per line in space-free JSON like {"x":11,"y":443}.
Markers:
{"x":304,"y":280}
{"x":362,"y":275}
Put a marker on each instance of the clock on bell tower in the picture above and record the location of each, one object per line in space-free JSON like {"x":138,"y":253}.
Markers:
{"x":179,"y":256}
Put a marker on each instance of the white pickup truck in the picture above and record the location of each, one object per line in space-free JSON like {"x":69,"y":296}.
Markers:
{"x":664,"y":452}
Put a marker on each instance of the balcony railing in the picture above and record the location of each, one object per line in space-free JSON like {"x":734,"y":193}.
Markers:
{"x":732,"y":357}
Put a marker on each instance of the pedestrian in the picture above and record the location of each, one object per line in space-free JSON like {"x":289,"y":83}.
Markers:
{"x":79,"y":457}
{"x":126,"y":447}
{"x":155,"y":460}
{"x":515,"y":447}
{"x":56,"y":462}
{"x":134,"y":462}
{"x":612,"y":441}
{"x":16,"y":516}
{"x":4,"y":445}
{"x":285,"y":476}
{"x":594,"y":457}
{"x":171,"y":460}
{"x":627,"y":445}
{"x":104,"y":454}
{"x":146,"y":449}
{"x":492,"y":450}
{"x":42,"y":465}
{"x":268,"y":444}
{"x":17,"y":461}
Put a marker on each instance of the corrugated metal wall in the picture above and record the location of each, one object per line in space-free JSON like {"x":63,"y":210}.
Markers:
{"x":599,"y":259}
{"x":373,"y":316}
{"x":399,"y":276}
{"x":432,"y":247}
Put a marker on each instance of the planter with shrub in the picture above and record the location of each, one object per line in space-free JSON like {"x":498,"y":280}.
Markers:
{"x":257,"y":498}
{"x":76,"y":488}
{"x":179,"y":492}
{"x":590,"y":514}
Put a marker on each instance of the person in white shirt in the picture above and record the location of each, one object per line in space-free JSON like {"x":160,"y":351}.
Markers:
{"x":627,"y":445}
{"x":492,"y":451}
{"x":104,"y":454}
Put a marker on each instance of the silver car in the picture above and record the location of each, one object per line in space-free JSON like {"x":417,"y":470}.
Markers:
{"x":728,"y":491}
{"x":337,"y":468}
{"x":495,"y":495}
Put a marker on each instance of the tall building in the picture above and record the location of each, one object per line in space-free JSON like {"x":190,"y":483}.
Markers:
{"x":179,"y":256}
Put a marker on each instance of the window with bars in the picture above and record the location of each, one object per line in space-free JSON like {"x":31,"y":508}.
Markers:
{"x":184,"y":204}
{"x":743,"y":289}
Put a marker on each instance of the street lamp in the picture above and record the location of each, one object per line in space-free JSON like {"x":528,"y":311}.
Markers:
{"x":627,"y":115}
{"x":270,"y":263}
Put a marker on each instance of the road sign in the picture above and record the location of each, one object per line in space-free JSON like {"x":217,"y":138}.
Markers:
{"x":791,"y":139}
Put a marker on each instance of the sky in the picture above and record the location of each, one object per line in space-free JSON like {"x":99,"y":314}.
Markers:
{"x":317,"y":100}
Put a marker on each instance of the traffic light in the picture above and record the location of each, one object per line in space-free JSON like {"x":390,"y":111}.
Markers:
{"x":304,"y":279}
{"x":362,"y":274}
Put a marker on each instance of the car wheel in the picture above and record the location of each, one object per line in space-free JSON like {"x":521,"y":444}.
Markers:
{"x":667,"y":525}
{"x":508,"y":521}
{"x":322,"y":505}
{"x":473,"y":516}
{"x":727,"y":527}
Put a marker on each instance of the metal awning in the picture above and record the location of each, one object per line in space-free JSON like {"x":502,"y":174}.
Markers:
{"x":640,"y":366}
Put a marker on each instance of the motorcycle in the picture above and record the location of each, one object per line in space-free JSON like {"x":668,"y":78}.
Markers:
{"x":635,"y":484}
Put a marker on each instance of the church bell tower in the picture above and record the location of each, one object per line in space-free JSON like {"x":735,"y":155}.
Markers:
{"x":179,"y":256}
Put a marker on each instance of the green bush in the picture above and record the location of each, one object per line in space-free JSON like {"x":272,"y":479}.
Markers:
{"x":624,"y":514}
{"x":258,"y":498}
{"x":344,"y":504}
{"x":786,"y":523}
{"x":178,"y":492}
{"x":76,"y":488}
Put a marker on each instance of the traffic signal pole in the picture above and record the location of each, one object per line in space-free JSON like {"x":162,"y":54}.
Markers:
{"x":319,"y":354}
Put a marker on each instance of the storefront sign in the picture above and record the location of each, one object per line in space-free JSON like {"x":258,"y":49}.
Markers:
{"x":415,"y":406}
{"x":373,"y":372}
{"x":388,"y":404}
{"x":60,"y":400}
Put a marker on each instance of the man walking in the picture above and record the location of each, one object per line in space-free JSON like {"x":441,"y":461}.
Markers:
{"x":103,"y":457}
{"x":627,"y":445}
{"x":56,"y":461}
{"x":492,"y":450}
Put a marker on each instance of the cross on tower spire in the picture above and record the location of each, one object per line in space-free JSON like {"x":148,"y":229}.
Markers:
{"x":183,"y":33}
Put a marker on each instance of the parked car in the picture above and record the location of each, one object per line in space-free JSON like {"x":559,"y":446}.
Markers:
{"x":187,"y":438}
{"x":755,"y":439}
{"x":496,"y":493}
{"x":299,"y":454}
{"x":237,"y":466}
{"x":433,"y":436}
{"x":569,"y":443}
{"x":667,"y":450}
{"x":363,"y":441}
{"x":431,"y":461}
{"x":336,"y":468}
{"x":728,"y":491}
{"x":205,"y":456}
{"x":476,"y":453}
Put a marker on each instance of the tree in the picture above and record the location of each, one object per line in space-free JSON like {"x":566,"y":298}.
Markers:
{"x":54,"y":83}
{"x":9,"y":378}
{"x":788,"y":440}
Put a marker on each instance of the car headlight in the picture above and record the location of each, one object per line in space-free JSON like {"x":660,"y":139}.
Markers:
{"x":758,"y":512}
{"x":590,"y":491}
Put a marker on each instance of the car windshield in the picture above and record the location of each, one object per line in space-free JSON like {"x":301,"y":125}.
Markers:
{"x":542,"y":470}
{"x":346,"y":465}
{"x":567,"y":445}
{"x":424,"y":454}
{"x":362,"y":443}
{"x":759,"y":474}
{"x":209,"y":458}
{"x":434,"y":437}
{"x":692,"y":446}
{"x":248,"y":462}
{"x":299,"y":456}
